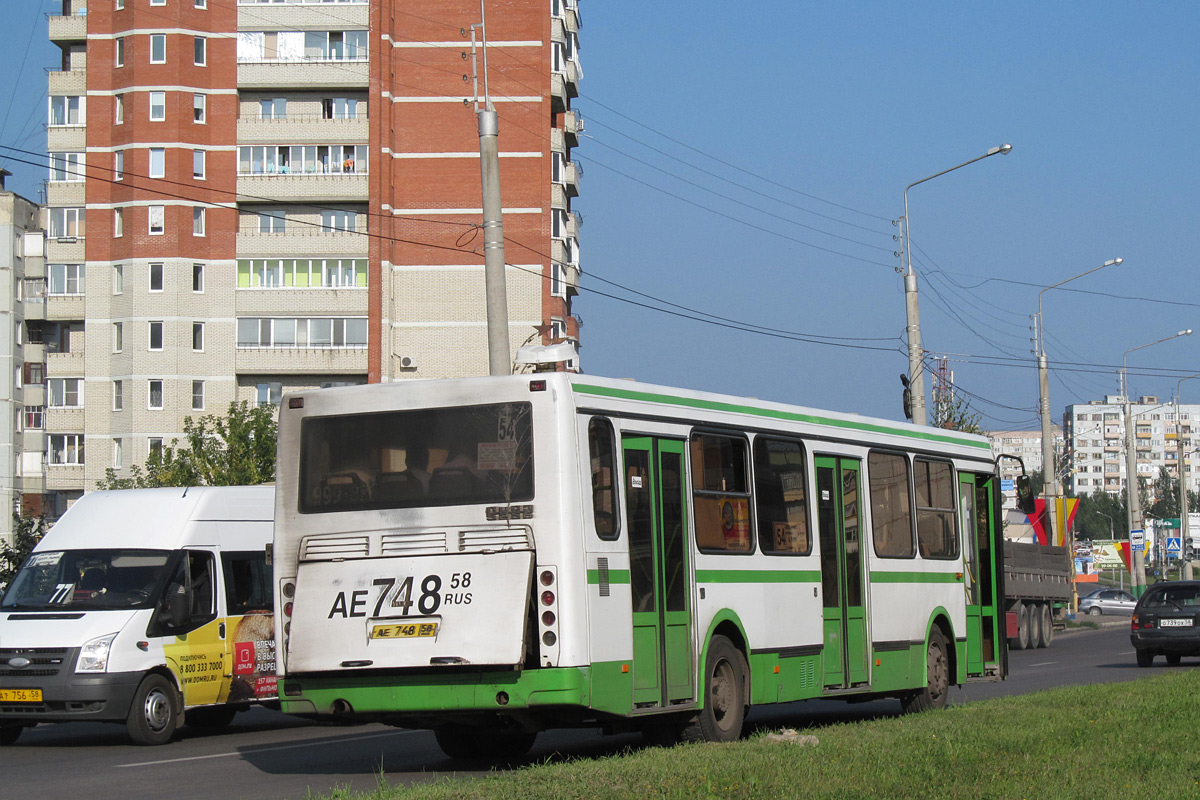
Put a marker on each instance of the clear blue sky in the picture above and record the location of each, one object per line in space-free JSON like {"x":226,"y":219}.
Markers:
{"x":800,"y":125}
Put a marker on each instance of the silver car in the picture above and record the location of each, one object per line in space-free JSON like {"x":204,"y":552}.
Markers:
{"x":1107,"y":601}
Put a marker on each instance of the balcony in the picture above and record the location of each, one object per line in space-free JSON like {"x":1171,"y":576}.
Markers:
{"x":301,"y":240}
{"x":72,"y":138}
{"x":302,"y":129}
{"x":330,"y":74}
{"x":64,"y":420}
{"x":572,"y":127}
{"x":564,"y":86}
{"x":65,"y":248}
{"x":65,"y":193}
{"x":67,"y":27}
{"x":293,"y":15}
{"x":34,"y":308}
{"x":307,"y":360}
{"x":571,"y":173}
{"x":65,"y":477}
{"x":73,"y":82}
{"x":64,"y":364}
{"x":337,"y":187}
{"x":65,"y":307}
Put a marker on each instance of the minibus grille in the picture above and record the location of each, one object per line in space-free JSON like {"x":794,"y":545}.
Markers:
{"x":44,"y":662}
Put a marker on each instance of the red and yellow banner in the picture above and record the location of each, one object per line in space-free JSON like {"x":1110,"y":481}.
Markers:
{"x":1064,"y":517}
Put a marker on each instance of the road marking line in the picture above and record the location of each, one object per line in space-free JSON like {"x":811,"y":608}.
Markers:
{"x":1044,"y":664}
{"x":261,"y":750}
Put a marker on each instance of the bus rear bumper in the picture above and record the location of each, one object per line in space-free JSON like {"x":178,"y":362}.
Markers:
{"x":374,"y":695}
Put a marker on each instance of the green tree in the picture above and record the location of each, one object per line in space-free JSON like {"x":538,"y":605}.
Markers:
{"x":953,"y":413}
{"x":235,"y":450}
{"x":27,"y":532}
{"x":1166,"y":496}
{"x":1101,"y":516}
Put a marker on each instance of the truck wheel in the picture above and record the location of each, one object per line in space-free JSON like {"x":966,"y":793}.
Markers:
{"x":1034,"y":614}
{"x":154,"y":713}
{"x":937,"y":679}
{"x":725,"y":699}
{"x":1021,"y":640}
{"x":1047,"y":626}
{"x":10,"y":733}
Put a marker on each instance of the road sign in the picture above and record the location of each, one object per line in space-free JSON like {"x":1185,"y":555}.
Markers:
{"x":1174,"y":545}
{"x":1006,"y":485}
{"x":1137,"y":539}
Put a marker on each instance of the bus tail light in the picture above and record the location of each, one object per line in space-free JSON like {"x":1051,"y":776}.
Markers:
{"x":548,"y":619}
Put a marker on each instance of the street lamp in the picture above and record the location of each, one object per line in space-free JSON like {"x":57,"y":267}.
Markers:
{"x":1183,"y":482}
{"x":916,"y":355}
{"x":1049,"y":473}
{"x":1131,"y":484}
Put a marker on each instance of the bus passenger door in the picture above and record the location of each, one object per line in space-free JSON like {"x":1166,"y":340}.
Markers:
{"x":655,"y":485}
{"x":839,"y":496}
{"x":979,"y":580}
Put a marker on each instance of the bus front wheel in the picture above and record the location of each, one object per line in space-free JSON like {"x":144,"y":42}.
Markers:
{"x":937,"y":681}
{"x":725,"y":696}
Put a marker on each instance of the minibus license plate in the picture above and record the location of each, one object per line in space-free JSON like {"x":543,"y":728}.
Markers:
{"x":404,"y":630}
{"x":1174,"y":622}
{"x":20,"y":695}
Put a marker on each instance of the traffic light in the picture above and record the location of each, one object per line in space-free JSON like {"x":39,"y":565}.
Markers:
{"x":1189,"y":550}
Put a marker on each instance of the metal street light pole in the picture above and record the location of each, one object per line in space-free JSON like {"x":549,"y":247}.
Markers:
{"x":1131,"y":482}
{"x":1183,"y":481}
{"x":1049,"y":472}
{"x":916,"y":355}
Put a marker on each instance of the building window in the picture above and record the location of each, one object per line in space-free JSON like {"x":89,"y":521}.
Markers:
{"x":197,"y":395}
{"x":201,"y":3}
{"x":118,"y":109}
{"x":158,"y":106}
{"x":120,"y":51}
{"x":197,"y":278}
{"x":120,"y":5}
{"x":118,"y":337}
{"x":200,"y":51}
{"x":339,"y":108}
{"x":558,"y":280}
{"x":118,"y":396}
{"x":198,"y":164}
{"x":154,"y":395}
{"x":35,"y":418}
{"x":118,"y":165}
{"x":272,"y":222}
{"x":34,"y":370}
{"x":269,"y":394}
{"x":118,"y":456}
{"x":199,"y":106}
{"x":198,"y":337}
{"x":197,"y":220}
{"x":288,"y":332}
{"x":156,"y":277}
{"x":66,"y":222}
{"x":158,"y":162}
{"x":66,"y":167}
{"x":308,"y":159}
{"x":158,"y":2}
{"x":156,"y":336}
{"x":65,"y":392}
{"x":157,"y":220}
{"x":158,"y":48}
{"x":66,"y":279}
{"x":118,"y":223}
{"x":338,"y":221}
{"x":118,"y":279}
{"x":273,"y":108}
{"x":66,"y":110}
{"x":154,"y":449}
{"x":64,"y":448}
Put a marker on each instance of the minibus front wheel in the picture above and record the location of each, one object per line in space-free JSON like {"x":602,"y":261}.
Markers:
{"x":154,"y":714}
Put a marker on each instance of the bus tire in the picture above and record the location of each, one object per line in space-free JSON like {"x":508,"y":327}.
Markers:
{"x":154,"y":714}
{"x":491,"y":743}
{"x":1047,"y":626}
{"x":937,"y":678}
{"x":211,"y":717}
{"x":725,"y":697}
{"x":9,"y":734}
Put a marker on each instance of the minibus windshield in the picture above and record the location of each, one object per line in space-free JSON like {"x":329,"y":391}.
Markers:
{"x":87,"y":580}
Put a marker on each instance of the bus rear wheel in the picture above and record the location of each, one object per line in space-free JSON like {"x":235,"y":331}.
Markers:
{"x":937,"y":680}
{"x":725,"y":696}
{"x":483,"y":742}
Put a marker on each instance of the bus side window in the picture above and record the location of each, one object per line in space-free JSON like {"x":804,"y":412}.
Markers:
{"x":246,"y":582}
{"x":891,"y":507}
{"x":602,"y":452}
{"x":937,"y":533}
{"x":721,"y":493}
{"x":780,"y":494}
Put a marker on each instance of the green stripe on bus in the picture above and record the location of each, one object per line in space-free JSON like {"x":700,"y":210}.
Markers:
{"x":614,"y":576}
{"x":916,"y":577}
{"x":757,"y":576}
{"x":790,"y":416}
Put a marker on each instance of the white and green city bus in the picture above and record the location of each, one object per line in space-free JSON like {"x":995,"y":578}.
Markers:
{"x":491,"y":557}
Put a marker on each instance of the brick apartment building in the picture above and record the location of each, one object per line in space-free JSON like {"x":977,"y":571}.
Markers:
{"x":249,"y":196}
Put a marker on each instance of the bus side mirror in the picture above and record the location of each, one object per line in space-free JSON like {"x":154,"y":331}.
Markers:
{"x":1025,"y":498}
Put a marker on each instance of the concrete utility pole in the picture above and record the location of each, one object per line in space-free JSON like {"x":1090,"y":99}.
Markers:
{"x":1049,"y":472}
{"x":1136,"y":522}
{"x":916,"y":355}
{"x":1184,"y":531}
{"x":499,"y":354}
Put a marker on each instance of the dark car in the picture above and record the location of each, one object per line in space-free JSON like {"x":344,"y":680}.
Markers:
{"x":1166,"y":622}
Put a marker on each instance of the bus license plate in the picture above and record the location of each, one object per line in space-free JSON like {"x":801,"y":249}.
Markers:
{"x":404,"y":630}
{"x":1174,"y":622}
{"x":20,"y":695}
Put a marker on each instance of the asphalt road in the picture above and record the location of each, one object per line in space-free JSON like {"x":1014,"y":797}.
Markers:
{"x":264,"y":754}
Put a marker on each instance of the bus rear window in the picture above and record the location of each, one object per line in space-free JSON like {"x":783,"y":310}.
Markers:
{"x":410,"y":459}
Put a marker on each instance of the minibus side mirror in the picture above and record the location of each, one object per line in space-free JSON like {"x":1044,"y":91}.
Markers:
{"x":178,"y":607}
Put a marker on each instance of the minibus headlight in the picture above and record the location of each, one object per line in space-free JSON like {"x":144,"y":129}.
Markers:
{"x":93,"y":656}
